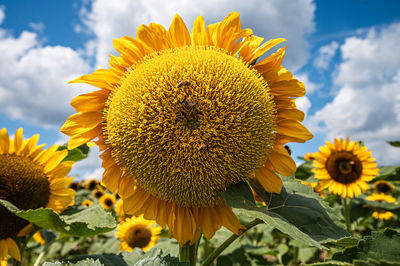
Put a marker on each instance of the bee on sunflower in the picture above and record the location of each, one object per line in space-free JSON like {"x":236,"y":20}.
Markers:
{"x":30,"y":177}
{"x":181,"y":116}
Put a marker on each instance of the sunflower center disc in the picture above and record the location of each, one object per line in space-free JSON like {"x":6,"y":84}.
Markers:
{"x":384,"y":188}
{"x":344,"y":167}
{"x":138,"y":236}
{"x":24,"y":184}
{"x":188,"y":122}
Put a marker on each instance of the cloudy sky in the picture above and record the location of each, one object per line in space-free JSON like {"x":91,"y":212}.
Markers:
{"x":346,"y":52}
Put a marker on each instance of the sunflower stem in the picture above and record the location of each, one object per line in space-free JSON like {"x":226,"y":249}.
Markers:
{"x":227,"y":242}
{"x":188,"y":253}
{"x":346,"y":206}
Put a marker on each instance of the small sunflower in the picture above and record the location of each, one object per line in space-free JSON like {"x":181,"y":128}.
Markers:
{"x":76,"y":185}
{"x":181,"y":116}
{"x":107,"y":201}
{"x":91,"y":184}
{"x":344,"y":167}
{"x":382,"y":214}
{"x":87,"y":203}
{"x":138,"y":233}
{"x":30,"y":178}
{"x":383,"y":186}
{"x":98,"y":192}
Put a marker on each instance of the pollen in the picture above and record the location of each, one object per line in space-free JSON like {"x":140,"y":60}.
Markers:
{"x":188,"y":122}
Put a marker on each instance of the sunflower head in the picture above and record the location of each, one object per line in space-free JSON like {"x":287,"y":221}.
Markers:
{"x":344,"y":167}
{"x":87,"y":203}
{"x":181,"y":116}
{"x":91,"y":184}
{"x":383,"y":186}
{"x":76,"y":185}
{"x":98,"y":192}
{"x":107,"y":201}
{"x":138,"y":233}
{"x":30,"y":178}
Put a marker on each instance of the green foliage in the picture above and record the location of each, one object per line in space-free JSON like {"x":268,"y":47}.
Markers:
{"x":77,"y":154}
{"x":75,"y":222}
{"x":303,"y":171}
{"x":394,"y":143}
{"x":388,"y":173}
{"x":297,"y":211}
{"x":379,"y":246}
{"x":86,"y":262}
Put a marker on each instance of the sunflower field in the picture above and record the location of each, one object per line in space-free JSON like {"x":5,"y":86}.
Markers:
{"x":194,"y":129}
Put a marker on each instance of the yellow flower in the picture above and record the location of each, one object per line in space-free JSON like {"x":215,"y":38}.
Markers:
{"x":383,"y":186}
{"x":344,"y":167}
{"x":181,"y":116}
{"x":30,"y":178}
{"x":98,"y":192}
{"x":107,"y":201}
{"x":91,"y":184}
{"x":308,"y":156}
{"x":87,"y":203}
{"x":39,"y":238}
{"x":138,"y":233}
{"x":382,"y":214}
{"x":76,"y":185}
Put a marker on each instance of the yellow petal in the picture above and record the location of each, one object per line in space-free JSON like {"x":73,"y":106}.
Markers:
{"x":90,"y":102}
{"x":293,"y":128}
{"x":281,"y":161}
{"x":292,"y":88}
{"x":101,"y":78}
{"x":269,"y":180}
{"x":4,"y":141}
{"x":179,"y":32}
{"x":55,"y":160}
{"x":18,"y":140}
{"x":265,"y":47}
{"x":13,"y":249}
{"x":199,"y":34}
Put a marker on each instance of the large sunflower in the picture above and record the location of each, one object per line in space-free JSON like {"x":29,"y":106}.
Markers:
{"x":344,"y":167}
{"x":30,"y":178}
{"x":136,"y":232}
{"x":181,"y":116}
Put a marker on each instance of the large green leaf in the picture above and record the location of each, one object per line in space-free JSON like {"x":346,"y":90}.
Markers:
{"x":388,"y":173}
{"x":86,"y":262}
{"x":239,"y":196}
{"x":299,"y":205}
{"x":379,"y":246}
{"x":82,"y":222}
{"x":380,"y":205}
{"x":394,"y":143}
{"x":76,"y":154}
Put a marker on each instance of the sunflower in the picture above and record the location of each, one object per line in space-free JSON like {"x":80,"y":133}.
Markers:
{"x":107,"y":201}
{"x":181,"y":116}
{"x":344,"y":167}
{"x":91,"y":184}
{"x":138,"y":233}
{"x":378,"y":213}
{"x":87,"y":203}
{"x":98,"y":192}
{"x":383,"y":186}
{"x":76,"y":185}
{"x":30,"y":178}
{"x":308,"y":156}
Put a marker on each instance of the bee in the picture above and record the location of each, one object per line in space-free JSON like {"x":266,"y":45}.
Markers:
{"x":288,"y":149}
{"x":190,"y":103}
{"x":183,"y":83}
{"x":203,"y":146}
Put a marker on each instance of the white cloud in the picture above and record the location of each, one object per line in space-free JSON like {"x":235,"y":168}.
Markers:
{"x":37,"y":26}
{"x":325,"y":55}
{"x":303,"y":104}
{"x":34,"y":79}
{"x":2,"y":14}
{"x":95,"y":174}
{"x":310,"y":86}
{"x":293,"y":20}
{"x":367,"y":104}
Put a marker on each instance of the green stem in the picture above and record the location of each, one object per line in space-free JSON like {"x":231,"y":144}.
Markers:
{"x":39,"y":259}
{"x":227,"y":242}
{"x":206,"y":247}
{"x":346,"y":206}
{"x":188,"y":253}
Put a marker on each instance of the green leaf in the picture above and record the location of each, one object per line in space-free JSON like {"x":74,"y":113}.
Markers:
{"x":394,"y":143}
{"x":237,"y":196}
{"x":241,"y":257}
{"x":388,"y":173}
{"x":343,"y":243}
{"x":303,"y":171}
{"x":87,"y":262}
{"x":76,"y":154}
{"x":83,"y":222}
{"x":105,"y":259}
{"x":379,"y":246}
{"x":302,"y":207}
{"x":330,"y":263}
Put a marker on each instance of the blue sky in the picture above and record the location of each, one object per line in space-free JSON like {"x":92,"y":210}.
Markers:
{"x":346,"y":52}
